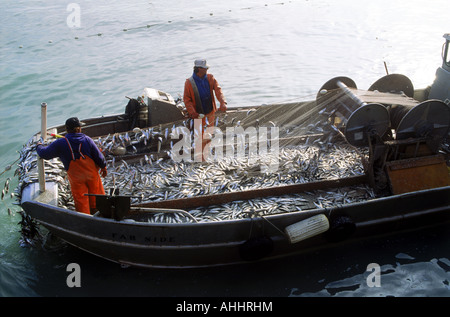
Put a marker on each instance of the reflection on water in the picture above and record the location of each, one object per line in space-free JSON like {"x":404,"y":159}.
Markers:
{"x":401,"y":274}
{"x":402,"y":279}
{"x":260,"y":53}
{"x":336,"y":272}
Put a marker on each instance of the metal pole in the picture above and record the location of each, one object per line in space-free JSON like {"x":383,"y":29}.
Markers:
{"x":41,"y":167}
{"x":349,"y":93}
{"x":44,"y":121}
{"x":385,"y":67}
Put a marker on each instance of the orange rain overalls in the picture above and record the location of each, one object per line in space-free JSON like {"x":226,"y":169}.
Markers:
{"x":84,"y":179}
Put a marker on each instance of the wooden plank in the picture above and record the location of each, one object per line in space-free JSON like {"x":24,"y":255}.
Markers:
{"x":418,"y":174}
{"x":217,"y":199}
{"x":32,"y":193}
{"x":415,"y":162}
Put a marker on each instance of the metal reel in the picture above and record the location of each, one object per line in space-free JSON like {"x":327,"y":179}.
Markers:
{"x":394,"y":83}
{"x":332,"y":84}
{"x":367,"y":120}
{"x":430,"y":118}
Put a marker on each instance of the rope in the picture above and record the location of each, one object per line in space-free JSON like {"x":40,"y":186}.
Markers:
{"x":8,"y":167}
{"x":148,"y":26}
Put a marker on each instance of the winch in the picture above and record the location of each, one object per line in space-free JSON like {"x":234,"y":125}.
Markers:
{"x":403,"y":135}
{"x":356,"y":117}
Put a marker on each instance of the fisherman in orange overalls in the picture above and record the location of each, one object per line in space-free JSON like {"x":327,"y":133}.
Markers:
{"x":198,"y":93}
{"x":198,"y":97}
{"x":82,"y":160}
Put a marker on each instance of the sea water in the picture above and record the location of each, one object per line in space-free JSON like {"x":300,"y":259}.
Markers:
{"x":82,"y":58}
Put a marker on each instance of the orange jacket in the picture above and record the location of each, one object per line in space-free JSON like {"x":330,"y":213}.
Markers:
{"x":189,"y":96}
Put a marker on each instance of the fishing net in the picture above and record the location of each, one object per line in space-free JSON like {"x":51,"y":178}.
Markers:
{"x":299,"y":144}
{"x":249,"y":148}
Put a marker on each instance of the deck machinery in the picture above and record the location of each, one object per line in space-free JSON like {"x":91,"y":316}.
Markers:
{"x":403,"y":135}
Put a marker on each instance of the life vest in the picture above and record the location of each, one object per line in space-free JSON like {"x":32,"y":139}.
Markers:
{"x":199,"y":106}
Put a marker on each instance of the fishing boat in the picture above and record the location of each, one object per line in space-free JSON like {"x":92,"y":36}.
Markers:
{"x":350,"y":164}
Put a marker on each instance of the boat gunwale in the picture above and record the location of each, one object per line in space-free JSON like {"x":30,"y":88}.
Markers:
{"x":306,"y":213}
{"x":364,"y":229}
{"x":138,"y":245}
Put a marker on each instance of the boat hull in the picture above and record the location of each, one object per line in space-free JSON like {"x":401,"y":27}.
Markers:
{"x":205,"y":244}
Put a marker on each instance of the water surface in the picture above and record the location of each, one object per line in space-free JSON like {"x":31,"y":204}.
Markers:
{"x":261,"y":52}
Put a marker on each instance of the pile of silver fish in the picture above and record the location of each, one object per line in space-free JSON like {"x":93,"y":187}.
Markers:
{"x":164,"y":179}
{"x":156,"y":176}
{"x":161,"y":179}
